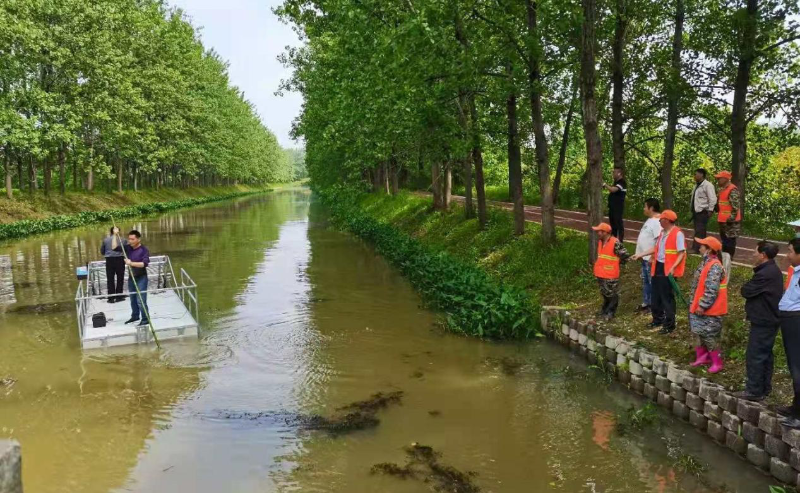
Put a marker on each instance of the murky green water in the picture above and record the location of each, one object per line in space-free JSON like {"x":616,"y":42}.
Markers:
{"x":300,"y":320}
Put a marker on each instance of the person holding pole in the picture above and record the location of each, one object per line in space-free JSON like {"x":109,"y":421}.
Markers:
{"x":111,"y":249}
{"x":669,"y":254}
{"x":138,"y":258}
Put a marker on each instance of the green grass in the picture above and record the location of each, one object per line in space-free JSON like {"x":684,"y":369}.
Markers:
{"x":561,"y":275}
{"x":77,"y":209}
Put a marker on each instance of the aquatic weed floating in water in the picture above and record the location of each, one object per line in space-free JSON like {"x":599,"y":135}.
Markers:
{"x":423,"y":464}
{"x":361,"y":415}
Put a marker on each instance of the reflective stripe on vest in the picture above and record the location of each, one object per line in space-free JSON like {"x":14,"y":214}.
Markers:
{"x":670,"y":254}
{"x":607,"y":264}
{"x":725,"y":208}
{"x":720,"y":306}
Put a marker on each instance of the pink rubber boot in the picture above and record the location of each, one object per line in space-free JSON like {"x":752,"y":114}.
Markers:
{"x":702,"y":356}
{"x":716,"y":358}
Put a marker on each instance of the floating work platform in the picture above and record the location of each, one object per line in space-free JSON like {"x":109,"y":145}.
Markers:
{"x":171,"y":302}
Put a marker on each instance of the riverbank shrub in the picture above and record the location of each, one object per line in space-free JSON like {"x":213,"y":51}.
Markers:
{"x":27,"y":227}
{"x":474,"y":304}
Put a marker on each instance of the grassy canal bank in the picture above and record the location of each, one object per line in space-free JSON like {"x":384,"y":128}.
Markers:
{"x":26,"y":215}
{"x":561,"y":276}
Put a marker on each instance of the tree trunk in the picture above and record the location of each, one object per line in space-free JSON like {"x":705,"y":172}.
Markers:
{"x":447,"y":186}
{"x":673,"y":100}
{"x":477,"y":160}
{"x":48,"y":176}
{"x":119,"y":175}
{"x":395,"y":170}
{"x":436,"y":184}
{"x":594,"y":151}
{"x":618,"y":81}
{"x":376,"y":179}
{"x":90,"y":179}
{"x":62,"y":172}
{"x":739,"y":113}
{"x":515,"y":165}
{"x":32,"y":184}
{"x":540,"y":139}
{"x":20,"y":174}
{"x":562,"y":153}
{"x":385,"y":177}
{"x":466,"y":161}
{"x":7,"y":166}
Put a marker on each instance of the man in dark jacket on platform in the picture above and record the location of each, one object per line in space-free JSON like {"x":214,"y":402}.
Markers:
{"x":762,"y":294}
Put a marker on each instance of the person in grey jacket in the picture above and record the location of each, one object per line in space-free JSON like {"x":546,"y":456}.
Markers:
{"x":111,"y":249}
{"x":704,"y":198}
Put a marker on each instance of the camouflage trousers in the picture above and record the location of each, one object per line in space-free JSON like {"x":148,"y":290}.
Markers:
{"x":608,"y":287}
{"x":730,"y":230}
{"x":706,"y":329}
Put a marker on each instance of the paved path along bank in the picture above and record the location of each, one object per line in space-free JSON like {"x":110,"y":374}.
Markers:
{"x":745,"y":247}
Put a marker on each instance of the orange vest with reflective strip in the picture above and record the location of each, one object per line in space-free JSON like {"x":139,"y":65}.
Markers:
{"x":670,"y":254}
{"x":789,"y":274}
{"x":607,"y":264}
{"x":720,"y":306}
{"x":725,"y":208}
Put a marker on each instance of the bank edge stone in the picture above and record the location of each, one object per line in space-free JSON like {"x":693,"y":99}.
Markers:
{"x":10,"y":467}
{"x":770,"y":423}
{"x":736,"y":443}
{"x":753,"y":434}
{"x":680,"y":410}
{"x":698,"y":420}
{"x":758,"y":456}
{"x":783,"y":471}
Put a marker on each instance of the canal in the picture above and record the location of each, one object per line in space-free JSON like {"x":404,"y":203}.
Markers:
{"x":300,"y":321}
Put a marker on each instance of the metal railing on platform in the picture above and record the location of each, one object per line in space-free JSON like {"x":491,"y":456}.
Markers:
{"x":159,"y":271}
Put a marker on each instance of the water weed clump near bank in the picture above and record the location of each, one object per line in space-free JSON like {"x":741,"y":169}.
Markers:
{"x":474,"y":303}
{"x":26,"y":227}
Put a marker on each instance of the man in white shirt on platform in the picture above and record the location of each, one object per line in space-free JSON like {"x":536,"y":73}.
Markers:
{"x":646,"y":242}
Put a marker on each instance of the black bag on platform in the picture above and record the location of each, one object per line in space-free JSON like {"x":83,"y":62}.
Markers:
{"x":99,"y":320}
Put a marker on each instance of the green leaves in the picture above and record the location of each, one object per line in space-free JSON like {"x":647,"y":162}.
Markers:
{"x":125,"y":81}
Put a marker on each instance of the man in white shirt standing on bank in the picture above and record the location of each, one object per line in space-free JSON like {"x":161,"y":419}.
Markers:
{"x":646,"y":242}
{"x":704,"y":198}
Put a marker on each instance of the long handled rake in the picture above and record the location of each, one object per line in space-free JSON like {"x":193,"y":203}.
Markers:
{"x":135,"y":285}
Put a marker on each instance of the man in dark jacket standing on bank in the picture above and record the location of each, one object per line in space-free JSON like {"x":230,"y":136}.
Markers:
{"x":762,"y":294}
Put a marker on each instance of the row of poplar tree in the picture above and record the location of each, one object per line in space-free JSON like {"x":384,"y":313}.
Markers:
{"x":431,"y":87}
{"x":121,"y":94}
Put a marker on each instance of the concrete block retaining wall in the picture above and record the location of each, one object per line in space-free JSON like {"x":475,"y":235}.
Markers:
{"x":747,"y":428}
{"x":10,"y":467}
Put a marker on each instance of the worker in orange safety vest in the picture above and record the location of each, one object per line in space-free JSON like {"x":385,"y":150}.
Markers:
{"x":709,"y":304}
{"x":729,"y":212}
{"x":610,"y":254}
